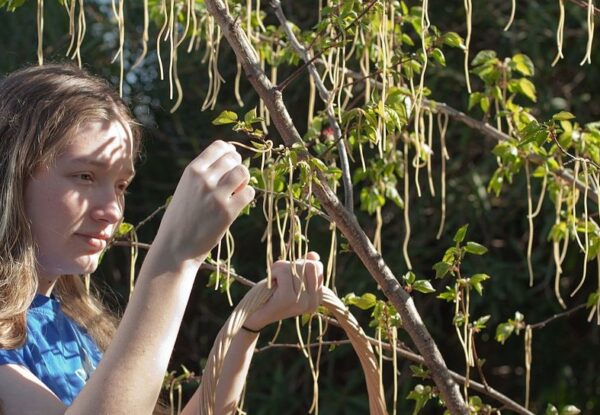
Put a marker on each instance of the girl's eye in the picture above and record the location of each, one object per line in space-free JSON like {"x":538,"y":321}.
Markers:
{"x":85,"y":177}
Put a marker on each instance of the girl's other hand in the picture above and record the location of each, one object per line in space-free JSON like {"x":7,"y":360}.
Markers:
{"x":285,"y":301}
{"x":212,"y":191}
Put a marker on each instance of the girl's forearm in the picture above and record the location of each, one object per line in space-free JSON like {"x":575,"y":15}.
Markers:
{"x":129,"y":376}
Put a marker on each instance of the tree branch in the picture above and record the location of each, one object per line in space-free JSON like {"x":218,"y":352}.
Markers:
{"x":344,"y":219}
{"x":407,"y":354}
{"x":499,"y":136}
{"x":413,"y":357}
{"x":542,"y":324}
{"x":584,"y":5}
{"x":327,"y":100}
{"x":491,"y":132}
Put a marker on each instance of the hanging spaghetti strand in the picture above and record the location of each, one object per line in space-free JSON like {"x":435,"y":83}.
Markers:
{"x":560,"y":32}
{"x":40,"y":31}
{"x":512,"y":15}
{"x":406,"y":209}
{"x":586,"y":232}
{"x":145,"y":37}
{"x":590,"y":26}
{"x":443,"y":127}
{"x":530,"y":223}
{"x":70,"y":8}
{"x":118,"y":12}
{"x":81,"y":34}
{"x":528,"y":358}
{"x":469,"y":13}
{"x":163,"y":9}
{"x":556,"y":250}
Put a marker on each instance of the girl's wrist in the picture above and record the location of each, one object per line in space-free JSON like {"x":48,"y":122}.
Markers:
{"x":254,"y":323}
{"x":250,"y":330}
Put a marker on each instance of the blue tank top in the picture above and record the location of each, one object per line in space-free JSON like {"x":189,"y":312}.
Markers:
{"x":57,"y":351}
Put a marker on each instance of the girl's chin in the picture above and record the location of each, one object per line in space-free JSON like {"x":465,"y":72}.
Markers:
{"x":86,"y":265}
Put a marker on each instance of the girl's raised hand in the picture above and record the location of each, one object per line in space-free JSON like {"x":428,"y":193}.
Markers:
{"x":286,"y":301}
{"x":212,"y":191}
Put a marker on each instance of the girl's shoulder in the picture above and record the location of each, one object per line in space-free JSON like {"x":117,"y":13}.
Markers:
{"x":57,"y":351}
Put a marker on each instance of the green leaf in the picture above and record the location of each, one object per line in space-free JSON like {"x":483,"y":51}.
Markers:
{"x":475,"y":248}
{"x":496,"y":92}
{"x":460,"y":233}
{"x":563,"y":116}
{"x":592,"y":299}
{"x":480,"y":278}
{"x":419,"y":372}
{"x":551,"y":410}
{"x":459,"y":319}
{"x":226,"y":117}
{"x":438,"y":56}
{"x":482,"y":57}
{"x":480,"y":322}
{"x":364,"y":302}
{"x":423,"y":286}
{"x":371,"y":199}
{"x":522,"y":63}
{"x":533,"y":132}
{"x":12,"y":5}
{"x":441,"y":269}
{"x":476,"y":280}
{"x":558,"y":232}
{"x":392,"y":193}
{"x":454,"y":40}
{"x":420,"y":394}
{"x":251,"y":118}
{"x":474,"y":99}
{"x":409,"y":277}
{"x":123,"y":229}
{"x":448,"y":295}
{"x":570,"y":410}
{"x":527,"y":88}
{"x":407,"y":40}
{"x":503,"y":331}
{"x":484,"y":103}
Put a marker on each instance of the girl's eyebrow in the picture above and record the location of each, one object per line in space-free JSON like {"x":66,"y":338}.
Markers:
{"x":101,"y":164}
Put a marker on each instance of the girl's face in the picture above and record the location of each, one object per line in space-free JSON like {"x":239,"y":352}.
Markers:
{"x":75,"y":204}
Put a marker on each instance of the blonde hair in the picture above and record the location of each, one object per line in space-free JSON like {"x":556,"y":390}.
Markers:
{"x":40,"y":107}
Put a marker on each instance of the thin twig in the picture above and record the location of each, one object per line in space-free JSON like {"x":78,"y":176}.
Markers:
{"x":204,"y":266}
{"x":407,"y":354}
{"x":149,"y":218}
{"x":543,"y":323}
{"x":572,"y":156}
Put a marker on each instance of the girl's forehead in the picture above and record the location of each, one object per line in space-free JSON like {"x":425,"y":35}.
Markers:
{"x":107,"y":142}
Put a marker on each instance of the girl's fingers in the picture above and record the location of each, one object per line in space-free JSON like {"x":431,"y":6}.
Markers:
{"x":234,"y":180}
{"x":311,"y":278}
{"x":212,"y":153}
{"x":283,"y":274}
{"x":313,"y":256}
{"x":224,"y":164}
{"x":242,"y":197}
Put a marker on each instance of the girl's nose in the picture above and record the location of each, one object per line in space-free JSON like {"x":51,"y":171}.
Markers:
{"x":108,"y":207}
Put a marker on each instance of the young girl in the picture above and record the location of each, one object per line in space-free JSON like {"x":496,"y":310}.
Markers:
{"x":67,"y":150}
